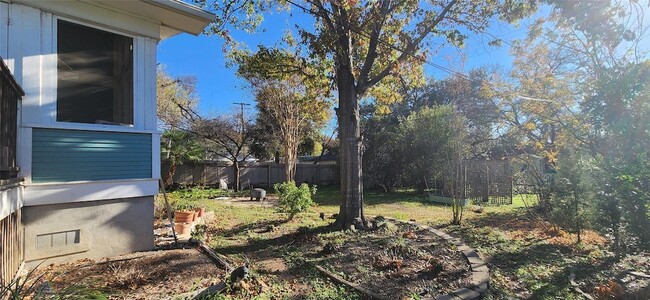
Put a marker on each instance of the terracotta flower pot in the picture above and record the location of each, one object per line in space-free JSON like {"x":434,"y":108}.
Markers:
{"x":196,"y":216}
{"x":201,"y":211}
{"x":182,"y":228}
{"x":184,"y":216}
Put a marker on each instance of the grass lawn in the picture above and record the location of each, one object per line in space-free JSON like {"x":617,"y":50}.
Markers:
{"x":526,"y":256}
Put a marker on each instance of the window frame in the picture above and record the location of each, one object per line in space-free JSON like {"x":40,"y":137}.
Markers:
{"x":55,"y":79}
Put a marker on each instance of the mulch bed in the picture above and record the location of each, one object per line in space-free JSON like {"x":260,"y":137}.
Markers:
{"x":395,"y":261}
{"x":141,"y":275}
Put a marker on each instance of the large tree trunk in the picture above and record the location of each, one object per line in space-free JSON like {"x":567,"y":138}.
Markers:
{"x":351,"y":209}
{"x":291,"y":158}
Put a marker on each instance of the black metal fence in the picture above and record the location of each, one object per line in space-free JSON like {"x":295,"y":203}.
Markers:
{"x":10,"y":93}
{"x":482,"y":181}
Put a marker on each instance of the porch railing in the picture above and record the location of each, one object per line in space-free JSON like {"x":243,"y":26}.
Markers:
{"x":11,"y":248}
{"x":10,"y":93}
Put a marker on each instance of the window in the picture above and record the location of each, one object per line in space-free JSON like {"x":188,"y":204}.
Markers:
{"x":95,"y":76}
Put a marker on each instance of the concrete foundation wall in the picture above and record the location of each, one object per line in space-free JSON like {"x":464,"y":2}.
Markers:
{"x":67,"y":232}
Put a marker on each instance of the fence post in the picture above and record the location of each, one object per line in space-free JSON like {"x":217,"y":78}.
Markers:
{"x":509,"y":173}
{"x":268,"y":176}
{"x":486,"y":193}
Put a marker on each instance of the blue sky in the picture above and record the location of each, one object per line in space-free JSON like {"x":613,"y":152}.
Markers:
{"x":218,"y":87}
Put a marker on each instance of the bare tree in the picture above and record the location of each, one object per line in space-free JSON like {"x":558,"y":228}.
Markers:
{"x":174,"y":95}
{"x":226,"y":137}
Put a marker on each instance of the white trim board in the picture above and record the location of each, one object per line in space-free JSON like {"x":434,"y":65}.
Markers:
{"x":82,"y":191}
{"x":99,"y":16}
{"x":11,"y":200}
{"x":89,"y":127}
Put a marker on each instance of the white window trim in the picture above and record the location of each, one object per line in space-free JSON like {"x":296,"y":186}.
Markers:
{"x":83,"y":191}
{"x":137,"y":119}
{"x":92,"y":127}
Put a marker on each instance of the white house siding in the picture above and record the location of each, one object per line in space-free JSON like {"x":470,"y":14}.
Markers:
{"x":84,"y":218}
{"x":31,"y":55}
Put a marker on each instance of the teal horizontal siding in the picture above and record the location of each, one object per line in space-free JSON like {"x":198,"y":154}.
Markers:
{"x":60,"y":155}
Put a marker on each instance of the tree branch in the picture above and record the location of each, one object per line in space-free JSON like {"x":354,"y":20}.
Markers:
{"x":409,"y":51}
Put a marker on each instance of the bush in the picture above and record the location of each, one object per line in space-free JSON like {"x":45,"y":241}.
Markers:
{"x":184,"y":205}
{"x":198,"y":233}
{"x":293,"y":199}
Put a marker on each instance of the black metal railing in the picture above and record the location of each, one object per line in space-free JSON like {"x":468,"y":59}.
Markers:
{"x":10,"y":93}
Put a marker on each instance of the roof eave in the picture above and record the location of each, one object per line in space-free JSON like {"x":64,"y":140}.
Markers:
{"x":187,"y":10}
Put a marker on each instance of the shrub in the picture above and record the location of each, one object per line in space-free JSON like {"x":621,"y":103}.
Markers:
{"x":293,"y":199}
{"x":198,"y":233}
{"x":184,"y":205}
{"x":159,"y":208}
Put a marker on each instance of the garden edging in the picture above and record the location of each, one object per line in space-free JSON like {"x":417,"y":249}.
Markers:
{"x":480,"y":278}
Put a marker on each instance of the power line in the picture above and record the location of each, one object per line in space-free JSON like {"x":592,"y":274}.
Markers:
{"x":241,"y":104}
{"x":241,"y":116}
{"x":421,"y":59}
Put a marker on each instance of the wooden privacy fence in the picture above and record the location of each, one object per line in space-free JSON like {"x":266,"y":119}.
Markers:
{"x":257,"y":174}
{"x":11,"y":247}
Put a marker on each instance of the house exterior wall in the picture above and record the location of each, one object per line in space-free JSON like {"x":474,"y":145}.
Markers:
{"x":95,"y":229}
{"x":28,"y":43}
{"x":88,"y":188}
{"x":84,"y":155}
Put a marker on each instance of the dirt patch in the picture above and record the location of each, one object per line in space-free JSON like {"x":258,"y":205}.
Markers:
{"x":395,"y":261}
{"x":272,"y":265}
{"x":142,"y":275}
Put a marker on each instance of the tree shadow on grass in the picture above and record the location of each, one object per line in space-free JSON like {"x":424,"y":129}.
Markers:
{"x":258,"y":227}
{"x":537,"y":261}
{"x":288,"y":239}
{"x":519,"y":219}
{"x":538,"y":269}
{"x":559,"y":284}
{"x":332,"y":196}
{"x":501,"y":220}
{"x":533,"y":255}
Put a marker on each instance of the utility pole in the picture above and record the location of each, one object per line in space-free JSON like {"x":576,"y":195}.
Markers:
{"x":241,"y":105}
{"x":241,"y":115}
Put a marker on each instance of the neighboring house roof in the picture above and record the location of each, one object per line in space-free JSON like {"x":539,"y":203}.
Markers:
{"x":174,"y":16}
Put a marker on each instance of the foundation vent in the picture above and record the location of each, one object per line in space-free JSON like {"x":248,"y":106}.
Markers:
{"x":57,"y":239}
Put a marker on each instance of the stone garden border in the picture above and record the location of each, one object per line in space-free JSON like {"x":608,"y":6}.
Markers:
{"x":480,"y":277}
